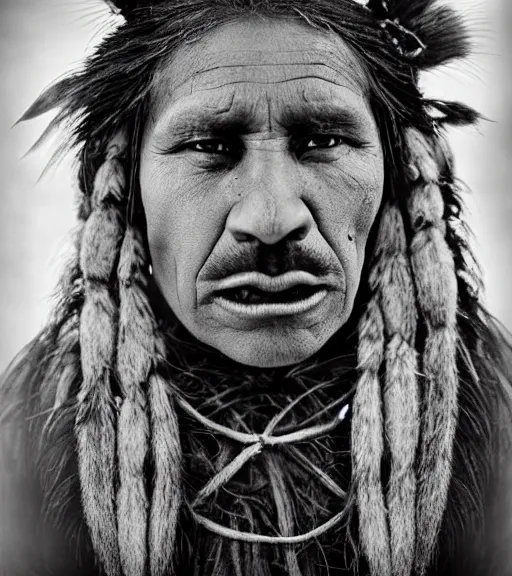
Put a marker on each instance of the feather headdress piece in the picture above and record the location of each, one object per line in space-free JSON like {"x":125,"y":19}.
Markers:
{"x":405,"y":407}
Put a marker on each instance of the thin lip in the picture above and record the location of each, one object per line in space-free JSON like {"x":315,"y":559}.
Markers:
{"x":270,"y":283}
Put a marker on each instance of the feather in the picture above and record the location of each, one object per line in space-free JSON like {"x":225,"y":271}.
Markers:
{"x":53,"y":97}
{"x":453,"y":113}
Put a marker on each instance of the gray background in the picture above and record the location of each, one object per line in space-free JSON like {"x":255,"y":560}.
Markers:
{"x":39,"y":41}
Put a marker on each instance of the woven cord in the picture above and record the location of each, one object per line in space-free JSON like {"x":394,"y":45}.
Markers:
{"x":254,"y":445}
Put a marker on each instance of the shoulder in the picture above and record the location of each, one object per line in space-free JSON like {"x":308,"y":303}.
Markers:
{"x":39,"y":502}
{"x":492,"y":541}
{"x":498,"y":541}
{"x":18,"y":486}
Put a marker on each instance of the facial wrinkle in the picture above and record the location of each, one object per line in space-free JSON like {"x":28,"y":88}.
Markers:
{"x":269,"y":112}
{"x":202,"y":205}
{"x":340,"y":62}
{"x":269,"y":142}
{"x":246,"y":75}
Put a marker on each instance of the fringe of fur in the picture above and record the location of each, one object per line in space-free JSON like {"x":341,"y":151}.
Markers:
{"x":368,"y":443}
{"x":436,"y":286}
{"x":95,"y":419}
{"x":134,"y":361}
{"x":167,"y":490}
{"x":401,"y":394}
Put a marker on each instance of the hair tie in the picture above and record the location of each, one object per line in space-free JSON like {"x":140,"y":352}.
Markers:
{"x":406,"y":42}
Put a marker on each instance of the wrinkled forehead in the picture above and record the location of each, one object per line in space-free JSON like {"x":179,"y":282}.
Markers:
{"x":256,"y":52}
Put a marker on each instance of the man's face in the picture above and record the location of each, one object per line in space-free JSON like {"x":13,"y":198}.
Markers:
{"x":261,"y":175}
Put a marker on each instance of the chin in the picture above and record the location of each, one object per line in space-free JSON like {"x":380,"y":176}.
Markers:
{"x":272,"y":348}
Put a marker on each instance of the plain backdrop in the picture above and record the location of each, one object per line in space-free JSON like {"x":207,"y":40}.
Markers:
{"x":41,"y":40}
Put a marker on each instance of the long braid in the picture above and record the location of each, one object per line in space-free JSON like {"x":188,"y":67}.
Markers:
{"x":167,"y":461}
{"x":139,"y":350}
{"x":368,"y":441}
{"x":95,"y":419}
{"x":386,"y":339}
{"x":436,"y":286}
{"x":401,"y":394}
{"x":134,"y":358}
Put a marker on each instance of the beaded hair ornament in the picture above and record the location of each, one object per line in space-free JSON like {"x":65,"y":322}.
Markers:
{"x":405,"y":401}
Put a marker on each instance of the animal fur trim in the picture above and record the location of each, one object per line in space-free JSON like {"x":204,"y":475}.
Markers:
{"x":134,"y":360}
{"x":95,"y":419}
{"x":436,"y":285}
{"x":401,"y":396}
{"x":368,"y":443}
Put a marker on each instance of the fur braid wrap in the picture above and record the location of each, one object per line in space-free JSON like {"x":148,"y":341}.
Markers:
{"x":95,"y":420}
{"x":130,"y":532}
{"x":134,"y":358}
{"x":144,"y":524}
{"x":400,"y":535}
{"x":436,"y":286}
{"x":368,"y":443}
{"x":401,"y":396}
{"x":167,"y":490}
{"x":386,"y":336}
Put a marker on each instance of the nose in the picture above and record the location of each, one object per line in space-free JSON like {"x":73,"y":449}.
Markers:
{"x":270,"y":208}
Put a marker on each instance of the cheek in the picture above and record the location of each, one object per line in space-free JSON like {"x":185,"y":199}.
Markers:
{"x":346,"y":200}
{"x":182,"y":226}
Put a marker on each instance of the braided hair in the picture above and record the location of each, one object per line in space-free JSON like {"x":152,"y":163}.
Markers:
{"x":420,"y":326}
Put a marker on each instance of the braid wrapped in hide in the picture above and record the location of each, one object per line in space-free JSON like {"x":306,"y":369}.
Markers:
{"x":415,"y":509}
{"x":138,"y":523}
{"x":388,"y":330}
{"x":401,"y":396}
{"x":368,"y":443}
{"x":95,"y":419}
{"x":436,"y":285}
{"x":142,"y":523}
{"x":134,"y":360}
{"x":167,"y":490}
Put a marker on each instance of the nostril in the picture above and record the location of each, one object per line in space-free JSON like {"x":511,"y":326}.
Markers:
{"x":243,"y":236}
{"x":298,"y":234}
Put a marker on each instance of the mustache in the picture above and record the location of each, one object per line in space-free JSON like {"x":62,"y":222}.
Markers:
{"x":272,"y":260}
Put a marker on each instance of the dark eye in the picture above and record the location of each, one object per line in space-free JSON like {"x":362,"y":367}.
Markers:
{"x":210,"y":147}
{"x":317,"y":142}
{"x":322,"y":141}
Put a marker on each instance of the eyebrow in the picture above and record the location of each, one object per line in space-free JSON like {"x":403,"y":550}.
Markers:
{"x":306,"y":117}
{"x":324,"y":116}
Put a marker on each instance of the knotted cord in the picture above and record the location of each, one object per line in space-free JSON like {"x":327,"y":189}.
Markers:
{"x":254,"y":445}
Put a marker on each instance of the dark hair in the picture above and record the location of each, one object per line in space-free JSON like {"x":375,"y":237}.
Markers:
{"x":118,"y":78}
{"x":114,"y":89}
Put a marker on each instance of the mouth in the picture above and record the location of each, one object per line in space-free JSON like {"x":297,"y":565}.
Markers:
{"x":258,"y":295}
{"x":251,"y":295}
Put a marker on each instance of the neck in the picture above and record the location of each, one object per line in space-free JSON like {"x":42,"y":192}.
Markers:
{"x":276,"y":492}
